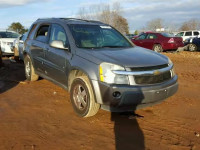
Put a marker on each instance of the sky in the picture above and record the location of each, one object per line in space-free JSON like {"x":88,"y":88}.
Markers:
{"x":137,"y":12}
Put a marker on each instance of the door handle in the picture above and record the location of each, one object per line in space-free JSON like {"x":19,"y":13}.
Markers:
{"x":33,"y":44}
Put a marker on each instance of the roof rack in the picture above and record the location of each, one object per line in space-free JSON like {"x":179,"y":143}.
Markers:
{"x":81,"y":20}
{"x":75,"y":19}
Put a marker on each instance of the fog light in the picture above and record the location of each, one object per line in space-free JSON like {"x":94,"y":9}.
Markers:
{"x":116,"y":94}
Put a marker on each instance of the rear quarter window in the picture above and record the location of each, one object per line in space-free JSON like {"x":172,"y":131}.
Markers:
{"x":196,"y":33}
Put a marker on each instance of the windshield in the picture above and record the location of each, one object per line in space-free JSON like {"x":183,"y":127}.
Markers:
{"x":180,"y":34}
{"x":95,"y":36}
{"x":8,"y":35}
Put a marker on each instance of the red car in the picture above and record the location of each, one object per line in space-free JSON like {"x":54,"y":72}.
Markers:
{"x":158,"y":41}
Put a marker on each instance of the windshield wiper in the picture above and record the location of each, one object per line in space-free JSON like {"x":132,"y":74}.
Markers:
{"x":111,"y":46}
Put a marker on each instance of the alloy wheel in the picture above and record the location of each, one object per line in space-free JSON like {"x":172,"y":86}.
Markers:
{"x":80,"y":97}
{"x":28,"y":69}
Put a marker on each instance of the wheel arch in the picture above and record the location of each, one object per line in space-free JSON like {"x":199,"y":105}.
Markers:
{"x":77,"y":72}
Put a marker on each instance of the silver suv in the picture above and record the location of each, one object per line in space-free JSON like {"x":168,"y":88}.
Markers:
{"x":97,"y":65}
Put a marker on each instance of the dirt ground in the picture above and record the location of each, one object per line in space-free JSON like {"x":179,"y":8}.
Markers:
{"x":38,"y":116}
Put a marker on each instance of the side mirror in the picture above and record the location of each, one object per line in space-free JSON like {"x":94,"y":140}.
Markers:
{"x":58,"y":44}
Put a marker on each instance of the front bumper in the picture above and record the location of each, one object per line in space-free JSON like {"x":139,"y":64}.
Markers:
{"x":134,"y":97}
{"x":7,"y":50}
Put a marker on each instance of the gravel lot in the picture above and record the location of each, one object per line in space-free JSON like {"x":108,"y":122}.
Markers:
{"x":39,"y":116}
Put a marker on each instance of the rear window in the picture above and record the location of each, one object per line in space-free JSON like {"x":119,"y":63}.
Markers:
{"x":167,"y":35}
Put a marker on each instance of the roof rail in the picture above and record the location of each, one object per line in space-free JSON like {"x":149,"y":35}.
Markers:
{"x":81,"y":20}
{"x":44,"y":18}
{"x":94,"y":21}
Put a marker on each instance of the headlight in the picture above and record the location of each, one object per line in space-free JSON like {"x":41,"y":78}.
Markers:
{"x":106,"y":74}
{"x":172,"y":70}
{"x":170,"y":62}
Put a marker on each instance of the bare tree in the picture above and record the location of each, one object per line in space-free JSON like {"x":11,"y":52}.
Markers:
{"x":107,"y":14}
{"x":192,"y":24}
{"x":155,"y":24}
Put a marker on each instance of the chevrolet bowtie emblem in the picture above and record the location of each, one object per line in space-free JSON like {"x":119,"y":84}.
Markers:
{"x":157,"y":72}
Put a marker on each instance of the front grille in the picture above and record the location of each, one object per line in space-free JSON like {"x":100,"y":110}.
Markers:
{"x":149,"y":68}
{"x":152,"y":79}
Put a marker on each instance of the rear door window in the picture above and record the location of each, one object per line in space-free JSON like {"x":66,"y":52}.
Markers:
{"x":42,"y":33}
{"x":151,"y":36}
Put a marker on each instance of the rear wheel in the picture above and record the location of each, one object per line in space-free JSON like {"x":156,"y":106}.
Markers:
{"x":82,"y":97}
{"x":157,"y":48}
{"x":29,"y":70}
{"x":192,"y":47}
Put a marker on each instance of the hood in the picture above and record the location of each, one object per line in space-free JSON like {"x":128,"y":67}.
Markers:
{"x":129,"y":57}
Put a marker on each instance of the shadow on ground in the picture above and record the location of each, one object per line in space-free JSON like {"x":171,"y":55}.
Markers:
{"x":128,"y":135}
{"x":11,"y":74}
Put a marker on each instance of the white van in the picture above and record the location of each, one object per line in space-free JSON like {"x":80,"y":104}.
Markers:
{"x":188,"y":34}
{"x":6,"y":41}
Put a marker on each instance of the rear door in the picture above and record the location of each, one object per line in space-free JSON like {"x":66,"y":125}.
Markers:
{"x":37,"y":47}
{"x":57,"y":60}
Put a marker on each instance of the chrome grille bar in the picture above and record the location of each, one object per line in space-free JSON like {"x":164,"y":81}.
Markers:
{"x":138,"y":73}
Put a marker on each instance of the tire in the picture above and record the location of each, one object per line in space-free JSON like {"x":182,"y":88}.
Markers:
{"x":157,"y":48}
{"x":82,"y":97}
{"x":192,"y":47}
{"x":29,"y":70}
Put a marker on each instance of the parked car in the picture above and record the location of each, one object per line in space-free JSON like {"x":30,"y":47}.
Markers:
{"x":193,"y":44}
{"x":158,"y":41}
{"x":18,"y":46}
{"x":97,"y":65}
{"x":188,"y":34}
{"x":6,"y":41}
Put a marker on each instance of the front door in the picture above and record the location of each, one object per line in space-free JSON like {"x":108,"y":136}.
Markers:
{"x":57,"y":60}
{"x":139,"y":41}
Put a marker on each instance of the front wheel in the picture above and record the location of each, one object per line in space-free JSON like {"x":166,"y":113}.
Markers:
{"x":29,"y":70}
{"x":157,"y":48}
{"x":192,"y":47}
{"x":82,"y":97}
